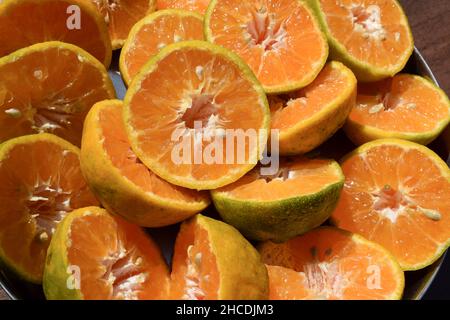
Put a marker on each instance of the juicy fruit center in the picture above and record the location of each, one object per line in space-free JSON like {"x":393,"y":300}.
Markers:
{"x":48,"y":205}
{"x":192,"y":288}
{"x":326,"y":279}
{"x":264,"y":30}
{"x":123,"y":272}
{"x":107,"y":6}
{"x":368,"y":21}
{"x":54,"y":115}
{"x":390,"y":204}
{"x":201,"y":110}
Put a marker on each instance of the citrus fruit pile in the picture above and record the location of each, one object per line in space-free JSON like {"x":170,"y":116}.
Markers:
{"x":229,"y":110}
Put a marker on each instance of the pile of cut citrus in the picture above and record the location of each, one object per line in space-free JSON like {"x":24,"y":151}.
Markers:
{"x":230,"y":105}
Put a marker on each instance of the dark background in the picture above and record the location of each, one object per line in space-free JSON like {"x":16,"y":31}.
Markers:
{"x":431,"y":29}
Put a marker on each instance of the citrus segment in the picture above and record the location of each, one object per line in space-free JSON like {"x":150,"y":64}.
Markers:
{"x":26,"y":22}
{"x":308,"y":117}
{"x":406,"y":107}
{"x":50,"y":87}
{"x":153,"y":33}
{"x":121,"y":182}
{"x":191,"y":5}
{"x":113,"y":260}
{"x":188,"y":100}
{"x":41,"y":182}
{"x":121,"y":15}
{"x":280,"y":40}
{"x":298,"y":197}
{"x":396,"y":193}
{"x":373,"y":37}
{"x":331,"y":264}
{"x":213,"y":261}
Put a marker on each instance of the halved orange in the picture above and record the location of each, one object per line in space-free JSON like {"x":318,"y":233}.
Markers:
{"x":153,"y":33}
{"x":196,"y":116}
{"x":373,"y":38}
{"x":331,"y":264}
{"x":121,"y":15}
{"x":191,"y":5}
{"x":405,"y":107}
{"x":213,"y":261}
{"x":26,"y":22}
{"x":50,"y":87}
{"x":308,"y":117}
{"x":95,"y":256}
{"x":121,"y":182}
{"x":397,"y":193}
{"x":280,"y":40}
{"x":299,"y":196}
{"x":40,"y":182}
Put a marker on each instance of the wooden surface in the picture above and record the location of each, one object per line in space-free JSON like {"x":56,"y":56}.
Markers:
{"x":429,"y":22}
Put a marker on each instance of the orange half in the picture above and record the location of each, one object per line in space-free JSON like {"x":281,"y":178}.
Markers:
{"x":372,"y":37}
{"x":153,"y":33}
{"x":41,"y":182}
{"x":50,"y":87}
{"x":95,"y":256}
{"x":405,"y":107}
{"x":280,"y":40}
{"x":397,"y":193}
{"x":188,"y":104}
{"x":331,"y":264}
{"x":26,"y":22}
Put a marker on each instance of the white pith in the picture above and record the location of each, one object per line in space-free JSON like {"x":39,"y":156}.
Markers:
{"x":192,"y":285}
{"x":124,"y":273}
{"x":264,"y":31}
{"x":367,"y":21}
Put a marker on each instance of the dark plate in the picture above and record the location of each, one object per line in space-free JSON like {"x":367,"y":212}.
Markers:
{"x":417,"y":283}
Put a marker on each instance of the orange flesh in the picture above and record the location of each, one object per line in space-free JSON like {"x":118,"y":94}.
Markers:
{"x":48,"y":90}
{"x":27,"y":22}
{"x":293,"y":179}
{"x":121,"y":15}
{"x":329,"y":264}
{"x":288,"y":110}
{"x":119,"y":151}
{"x":195,"y":275}
{"x":372,"y":31}
{"x":279,"y":39}
{"x":157,"y":33}
{"x":117,"y":260}
{"x":196,"y":86}
{"x":40,"y":183}
{"x":397,"y":197}
{"x":405,"y":103}
{"x":191,"y":5}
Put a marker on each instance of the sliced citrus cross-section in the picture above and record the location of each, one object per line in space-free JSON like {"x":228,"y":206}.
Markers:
{"x":196,"y":116}
{"x":373,"y":38}
{"x":308,"y":117}
{"x":121,"y":182}
{"x":191,"y":5}
{"x":397,"y":193}
{"x":298,"y":197}
{"x":153,"y":33}
{"x":405,"y":107}
{"x":41,"y":182}
{"x":331,"y":264}
{"x":95,"y":256}
{"x":280,"y":40}
{"x":121,"y":15}
{"x":50,"y":87}
{"x":213,"y":261}
{"x":26,"y":22}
